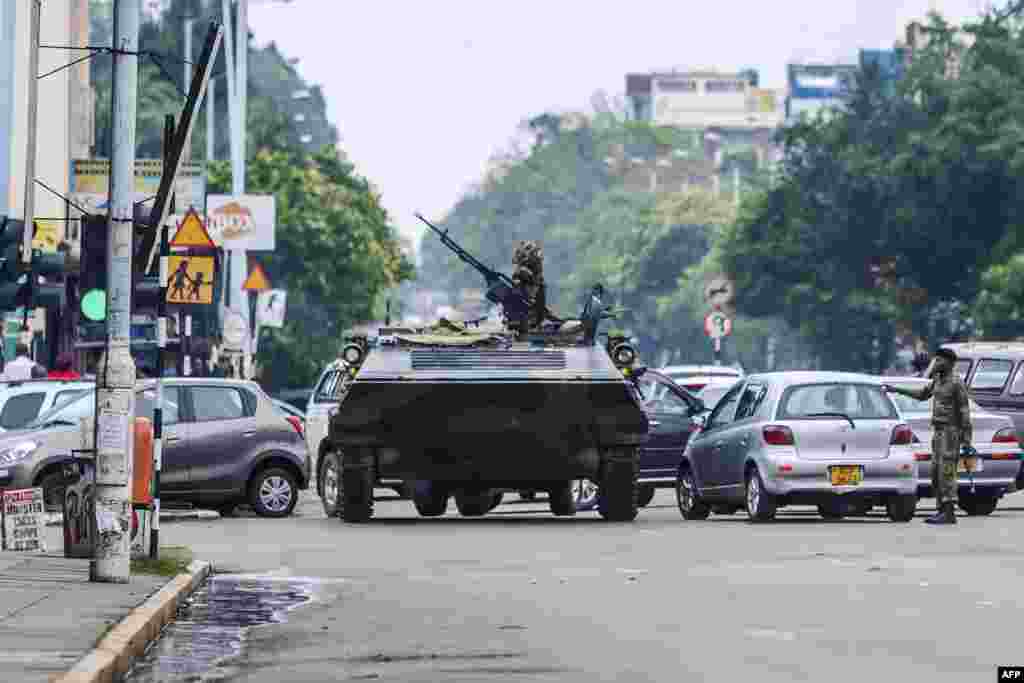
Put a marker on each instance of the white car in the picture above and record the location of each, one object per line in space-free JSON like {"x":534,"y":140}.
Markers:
{"x":695,"y":377}
{"x":21,"y":402}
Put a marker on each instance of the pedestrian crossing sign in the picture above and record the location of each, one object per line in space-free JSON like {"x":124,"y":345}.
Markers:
{"x":192,"y":233}
{"x":190,"y":279}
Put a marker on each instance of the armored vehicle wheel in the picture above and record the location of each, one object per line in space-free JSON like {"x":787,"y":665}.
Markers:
{"x":618,"y":489}
{"x":355,"y":488}
{"x":430,"y":499}
{"x":474,"y":504}
{"x":330,"y":478}
{"x":562,"y":501}
{"x":978,"y":504}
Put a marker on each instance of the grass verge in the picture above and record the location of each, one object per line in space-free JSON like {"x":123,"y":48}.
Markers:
{"x":173,"y":560}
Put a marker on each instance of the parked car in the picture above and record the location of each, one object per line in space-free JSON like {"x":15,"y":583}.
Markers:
{"x":297,"y":398}
{"x":696,"y":377}
{"x":714,"y":390}
{"x":829,"y":439}
{"x":325,"y":397}
{"x":22,"y":402}
{"x":671,"y":412}
{"x":294,"y":415}
{"x":995,"y":439}
{"x":224,"y":443}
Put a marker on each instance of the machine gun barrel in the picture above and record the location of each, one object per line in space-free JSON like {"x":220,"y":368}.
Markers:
{"x":489,"y":274}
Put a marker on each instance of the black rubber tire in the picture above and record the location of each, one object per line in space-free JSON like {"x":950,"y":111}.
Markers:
{"x":978,"y":505}
{"x":901,"y":508}
{"x":53,"y":487}
{"x":690,"y":505}
{"x":256,"y":483}
{"x":355,"y":490}
{"x":430,"y":499}
{"x":645,"y":495}
{"x":328,"y":483}
{"x":616,"y":501}
{"x":763,"y":508}
{"x":832,"y":510}
{"x":473,"y":504}
{"x":561,"y":500}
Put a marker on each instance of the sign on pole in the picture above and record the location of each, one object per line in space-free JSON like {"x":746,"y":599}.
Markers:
{"x":717,"y":325}
{"x":270,"y":307}
{"x":257,"y":280}
{"x":189,"y":279}
{"x":24,"y":522}
{"x":192,"y":233}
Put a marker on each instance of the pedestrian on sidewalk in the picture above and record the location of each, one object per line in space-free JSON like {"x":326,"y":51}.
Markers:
{"x":951,"y":422}
{"x":21,"y":368}
{"x":63,"y":368}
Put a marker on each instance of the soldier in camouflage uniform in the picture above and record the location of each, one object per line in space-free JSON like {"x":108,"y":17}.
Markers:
{"x":951,"y":421}
{"x":528,"y":276}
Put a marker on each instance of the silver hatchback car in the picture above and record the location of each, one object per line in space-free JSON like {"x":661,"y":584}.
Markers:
{"x":829,"y":439}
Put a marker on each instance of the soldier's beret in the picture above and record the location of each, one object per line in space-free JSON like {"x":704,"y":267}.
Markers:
{"x":946,"y":353}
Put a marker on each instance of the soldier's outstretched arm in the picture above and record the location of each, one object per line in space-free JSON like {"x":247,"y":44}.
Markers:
{"x":922,"y":394}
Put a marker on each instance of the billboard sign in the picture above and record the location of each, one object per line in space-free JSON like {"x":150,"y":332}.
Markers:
{"x":700,"y":100}
{"x":90,"y":184}
{"x":821,"y":81}
{"x":245,"y":222}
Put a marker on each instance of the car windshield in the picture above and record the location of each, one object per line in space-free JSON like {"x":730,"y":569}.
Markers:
{"x":712,"y":394}
{"x":855,"y":401}
{"x":69,"y":412}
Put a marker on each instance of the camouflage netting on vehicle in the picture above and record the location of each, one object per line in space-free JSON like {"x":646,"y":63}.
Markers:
{"x":449,"y":333}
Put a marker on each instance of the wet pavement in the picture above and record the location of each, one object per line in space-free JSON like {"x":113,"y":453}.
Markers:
{"x":210,"y":635}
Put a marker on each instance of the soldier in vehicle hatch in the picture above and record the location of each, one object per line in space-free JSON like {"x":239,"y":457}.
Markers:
{"x":951,"y":421}
{"x":528,"y":276}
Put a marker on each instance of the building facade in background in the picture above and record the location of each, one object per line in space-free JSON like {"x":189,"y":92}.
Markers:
{"x":814,"y":88}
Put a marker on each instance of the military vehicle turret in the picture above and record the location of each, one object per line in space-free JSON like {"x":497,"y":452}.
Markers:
{"x":464,"y":411}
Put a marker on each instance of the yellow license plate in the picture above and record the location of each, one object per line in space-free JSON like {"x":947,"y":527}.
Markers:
{"x":971,"y":464}
{"x":845,"y":475}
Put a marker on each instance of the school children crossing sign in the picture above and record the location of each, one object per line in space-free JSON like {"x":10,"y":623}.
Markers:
{"x":190,"y":279}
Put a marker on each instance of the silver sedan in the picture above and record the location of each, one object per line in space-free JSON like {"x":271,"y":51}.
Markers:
{"x":995,"y":439}
{"x":829,"y":439}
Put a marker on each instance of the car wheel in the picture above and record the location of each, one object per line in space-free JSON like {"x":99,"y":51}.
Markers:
{"x":355,"y":487}
{"x":760,"y":503}
{"x":901,"y":508}
{"x":429,"y":498}
{"x":645,"y":496}
{"x":584,"y":494}
{"x":330,"y":481}
{"x":473,"y":504}
{"x":273,"y":492}
{"x":53,"y":488}
{"x":690,"y":504}
{"x":831,"y":510}
{"x":978,"y":505}
{"x":562,"y":501}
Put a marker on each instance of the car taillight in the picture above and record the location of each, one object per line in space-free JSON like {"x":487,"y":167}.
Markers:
{"x":296,"y":423}
{"x":775,"y":435}
{"x":922,"y":457}
{"x":901,"y":436}
{"x":1006,"y":435}
{"x":694,"y":387}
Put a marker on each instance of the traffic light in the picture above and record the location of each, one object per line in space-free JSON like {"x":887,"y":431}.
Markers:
{"x":11,"y":234}
{"x":19,"y":288}
{"x":92,"y":281}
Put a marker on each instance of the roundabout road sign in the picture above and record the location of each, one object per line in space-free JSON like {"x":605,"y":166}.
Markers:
{"x":717,"y":325}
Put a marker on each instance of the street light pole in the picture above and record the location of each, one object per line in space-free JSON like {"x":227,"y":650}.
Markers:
{"x":115,"y":376}
{"x":238,"y":264}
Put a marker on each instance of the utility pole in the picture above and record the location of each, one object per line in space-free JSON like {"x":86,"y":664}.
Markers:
{"x":115,"y":376}
{"x":238,"y":259}
{"x":187,"y":66}
{"x":210,"y":121}
{"x":32,"y":129}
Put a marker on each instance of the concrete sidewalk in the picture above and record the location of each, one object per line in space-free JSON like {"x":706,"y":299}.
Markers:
{"x":51,"y":615}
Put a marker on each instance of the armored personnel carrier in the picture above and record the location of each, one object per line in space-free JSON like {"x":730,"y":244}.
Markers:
{"x":467,"y":412}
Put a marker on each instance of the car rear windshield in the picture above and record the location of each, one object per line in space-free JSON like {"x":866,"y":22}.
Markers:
{"x":912,"y":405}
{"x":856,"y":401}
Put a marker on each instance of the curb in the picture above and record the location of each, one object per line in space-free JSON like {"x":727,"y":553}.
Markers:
{"x":112,"y":657}
{"x":171,"y":516}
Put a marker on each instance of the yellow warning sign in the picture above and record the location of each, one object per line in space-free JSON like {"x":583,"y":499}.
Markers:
{"x":192,"y":233}
{"x":257,"y":280}
{"x":190,"y":280}
{"x":48,"y":236}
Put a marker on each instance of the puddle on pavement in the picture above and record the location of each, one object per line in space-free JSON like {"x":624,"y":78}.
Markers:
{"x":211,"y":630}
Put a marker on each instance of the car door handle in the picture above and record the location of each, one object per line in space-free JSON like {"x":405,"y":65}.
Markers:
{"x":172,"y":439}
{"x":653,"y":423}
{"x":250,"y":433}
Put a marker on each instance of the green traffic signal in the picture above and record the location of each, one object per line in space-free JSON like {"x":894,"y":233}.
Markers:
{"x":94,"y":305}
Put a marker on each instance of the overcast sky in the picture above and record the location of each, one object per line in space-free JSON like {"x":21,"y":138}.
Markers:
{"x":424,"y":93}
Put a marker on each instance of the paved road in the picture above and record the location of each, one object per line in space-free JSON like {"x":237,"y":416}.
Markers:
{"x":522,"y":596}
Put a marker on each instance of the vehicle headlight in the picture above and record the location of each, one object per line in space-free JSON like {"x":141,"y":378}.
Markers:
{"x":18,"y":452}
{"x":623,"y":355}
